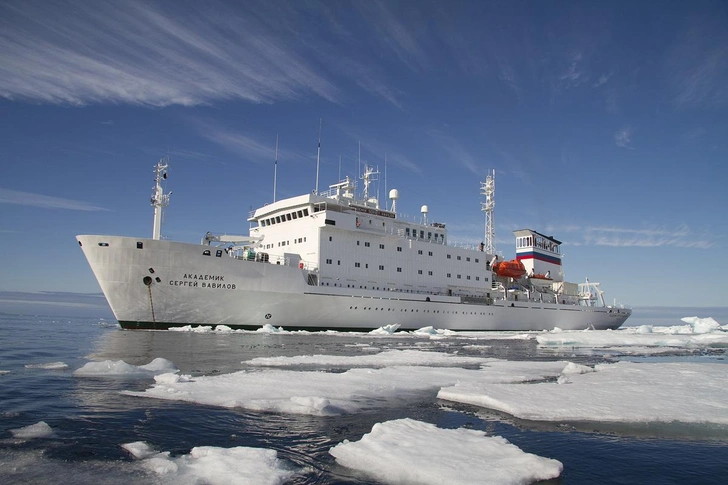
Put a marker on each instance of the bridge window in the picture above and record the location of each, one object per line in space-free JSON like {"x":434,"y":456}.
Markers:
{"x":206,"y":252}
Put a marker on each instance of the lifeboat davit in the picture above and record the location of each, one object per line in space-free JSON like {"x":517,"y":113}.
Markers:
{"x":510,"y":269}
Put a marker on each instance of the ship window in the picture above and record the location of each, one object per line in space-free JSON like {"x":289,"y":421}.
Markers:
{"x":449,"y":275}
{"x":459,"y":258}
{"x":366,"y":244}
{"x":206,"y":252}
{"x":151,"y":270}
{"x":381,"y":267}
{"x":305,"y":212}
{"x":468,"y":277}
{"x":278,"y":219}
{"x":295,"y":216}
{"x":459,"y":277}
{"x":103,"y":244}
{"x":399,"y":270}
{"x":477,"y":278}
{"x":288,"y":217}
{"x":399,"y":249}
{"x":381,"y":246}
{"x":367,"y":267}
{"x":429,"y":235}
{"x":357,"y":265}
{"x":467,"y":259}
{"x":330,"y":222}
{"x":357,"y":243}
{"x":477,"y":260}
{"x":140,"y":245}
{"x":331,"y":238}
{"x":419,"y":251}
{"x":328,"y":261}
{"x":430,"y":253}
{"x":429,"y":273}
{"x":406,"y":231}
{"x":419,"y":271}
{"x":338,"y":262}
{"x":158,"y":279}
{"x":300,"y":214}
{"x":218,"y":253}
{"x":422,"y":234}
{"x":449,"y":257}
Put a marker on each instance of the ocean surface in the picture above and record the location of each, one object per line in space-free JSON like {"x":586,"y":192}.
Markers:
{"x":90,"y":418}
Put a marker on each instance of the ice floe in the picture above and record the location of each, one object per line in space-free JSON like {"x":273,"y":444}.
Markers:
{"x":48,"y":366}
{"x":382,"y":359}
{"x":214,"y":465}
{"x":112,"y":368}
{"x":409,"y":451}
{"x":624,"y":392}
{"x":326,"y":393}
{"x":37,"y":430}
{"x":682,"y":336}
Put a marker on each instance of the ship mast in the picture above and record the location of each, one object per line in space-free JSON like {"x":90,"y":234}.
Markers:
{"x":487,"y":189}
{"x":160,"y":200}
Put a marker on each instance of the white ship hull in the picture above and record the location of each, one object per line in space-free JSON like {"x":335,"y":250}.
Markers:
{"x":157,"y":284}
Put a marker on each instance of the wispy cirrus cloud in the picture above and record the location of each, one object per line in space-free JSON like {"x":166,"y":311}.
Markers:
{"x":648,"y":237}
{"x":30,"y":199}
{"x":623,"y":138}
{"x":144,"y":53}
{"x":456,"y":152}
{"x":697,"y":65}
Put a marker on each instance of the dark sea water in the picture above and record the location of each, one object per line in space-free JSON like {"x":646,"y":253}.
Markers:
{"x":91,"y":419}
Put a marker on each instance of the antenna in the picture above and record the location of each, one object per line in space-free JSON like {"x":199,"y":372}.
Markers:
{"x":487,"y":189}
{"x":159,"y":200}
{"x":318,"y":154}
{"x":339,"y":168}
{"x":385,"y":179}
{"x":275,"y":170}
{"x":358,"y":168}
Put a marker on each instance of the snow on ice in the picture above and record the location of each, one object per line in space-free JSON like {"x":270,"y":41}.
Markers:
{"x":115,"y":368}
{"x":409,"y":451}
{"x":214,"y":465}
{"x":325,"y":393}
{"x":37,"y":430}
{"x":622,"y":392}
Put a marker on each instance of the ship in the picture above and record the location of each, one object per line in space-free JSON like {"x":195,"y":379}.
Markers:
{"x":338,"y":260}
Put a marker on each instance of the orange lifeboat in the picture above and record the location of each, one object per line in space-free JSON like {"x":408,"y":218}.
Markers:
{"x":510,"y":269}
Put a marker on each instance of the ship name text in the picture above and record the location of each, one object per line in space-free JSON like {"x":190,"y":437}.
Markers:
{"x":203,"y":281}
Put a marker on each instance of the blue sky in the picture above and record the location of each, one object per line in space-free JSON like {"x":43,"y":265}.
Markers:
{"x":606,"y":123}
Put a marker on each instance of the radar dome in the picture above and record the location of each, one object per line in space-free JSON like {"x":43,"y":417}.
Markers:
{"x":394,"y":194}
{"x":424,"y":209}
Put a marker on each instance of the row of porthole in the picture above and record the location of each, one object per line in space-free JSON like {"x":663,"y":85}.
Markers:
{"x":417,"y":311}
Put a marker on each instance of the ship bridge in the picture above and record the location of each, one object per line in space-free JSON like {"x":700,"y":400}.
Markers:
{"x":540,"y":254}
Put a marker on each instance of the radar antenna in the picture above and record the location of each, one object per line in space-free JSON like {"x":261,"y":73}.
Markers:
{"x":159,"y":200}
{"x":487,"y":189}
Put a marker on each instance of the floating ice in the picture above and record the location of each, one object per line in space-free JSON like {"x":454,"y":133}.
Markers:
{"x":409,"y":451}
{"x":268,"y":328}
{"x":386,"y":330}
{"x":701,"y":325}
{"x":37,"y":430}
{"x":3,"y":372}
{"x":382,"y":359}
{"x":325,"y":393}
{"x":623,"y":392}
{"x":642,"y":336}
{"x":48,"y":366}
{"x":121,"y":368}
{"x":190,"y":328}
{"x":213,"y":465}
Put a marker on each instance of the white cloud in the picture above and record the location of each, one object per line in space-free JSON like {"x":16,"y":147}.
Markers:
{"x":44,"y":201}
{"x":680,"y":237}
{"x":623,"y":138}
{"x":139,"y":53}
